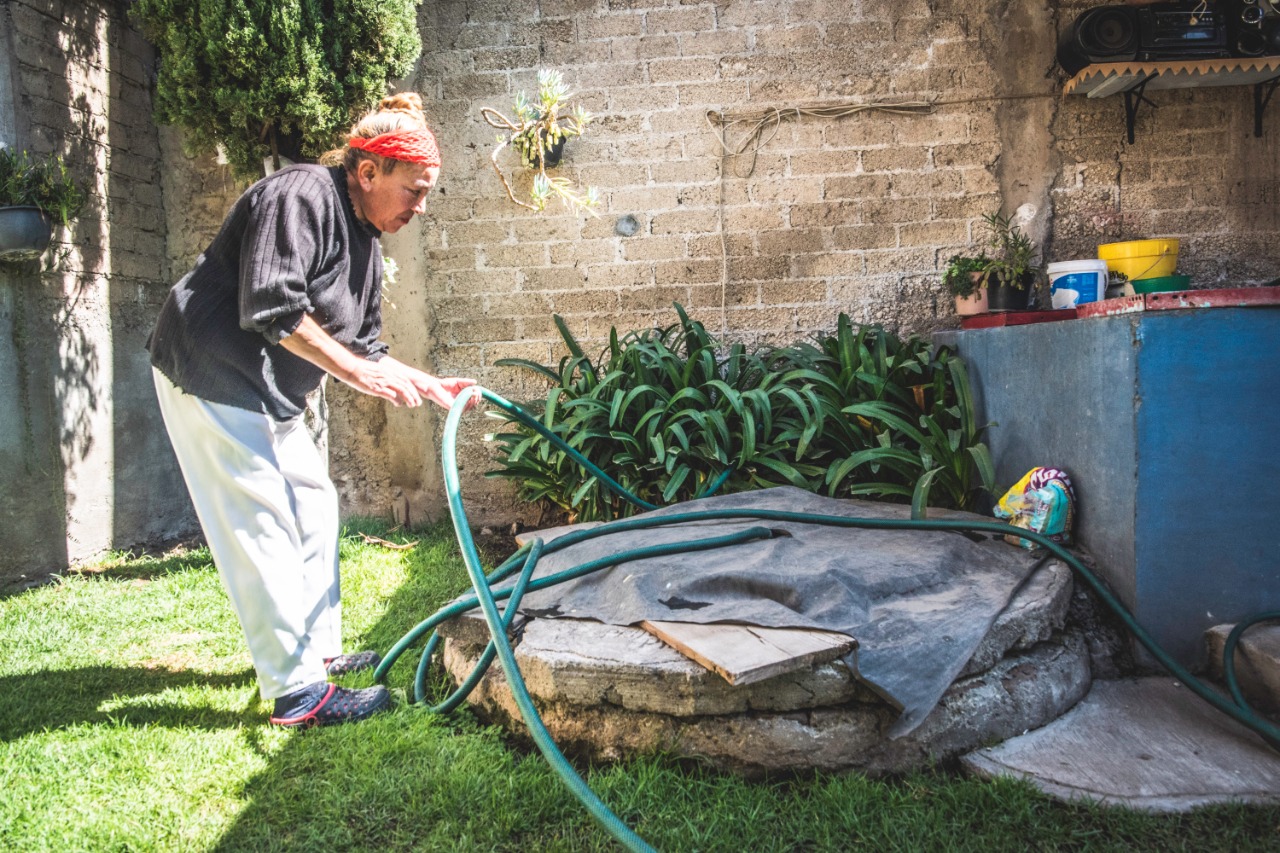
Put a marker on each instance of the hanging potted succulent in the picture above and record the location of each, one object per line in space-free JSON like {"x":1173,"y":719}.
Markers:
{"x":34,"y":195}
{"x":1012,"y":271}
{"x":962,"y":277}
{"x":537,"y":134}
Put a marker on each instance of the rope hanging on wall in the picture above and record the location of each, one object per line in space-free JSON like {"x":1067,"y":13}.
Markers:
{"x":757,"y":123}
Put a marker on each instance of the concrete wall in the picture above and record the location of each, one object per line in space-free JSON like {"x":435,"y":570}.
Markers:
{"x":1161,"y":421}
{"x":851,"y":214}
{"x":85,"y":462}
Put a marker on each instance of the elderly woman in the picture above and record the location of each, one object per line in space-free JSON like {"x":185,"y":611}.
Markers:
{"x":287,"y":292}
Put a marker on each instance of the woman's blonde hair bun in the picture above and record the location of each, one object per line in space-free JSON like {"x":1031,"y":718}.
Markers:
{"x":404,"y":102}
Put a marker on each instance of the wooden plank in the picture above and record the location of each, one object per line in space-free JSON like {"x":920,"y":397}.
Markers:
{"x":1111,"y":307}
{"x":1179,"y":300}
{"x":1222,"y":297}
{"x":743,"y":654}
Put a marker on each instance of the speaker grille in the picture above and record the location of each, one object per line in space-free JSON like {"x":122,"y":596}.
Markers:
{"x":1107,"y":31}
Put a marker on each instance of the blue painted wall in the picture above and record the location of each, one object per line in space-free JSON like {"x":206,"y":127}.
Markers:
{"x":1208,"y":525}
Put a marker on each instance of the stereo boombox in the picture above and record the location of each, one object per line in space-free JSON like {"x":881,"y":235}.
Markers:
{"x":1171,"y":31}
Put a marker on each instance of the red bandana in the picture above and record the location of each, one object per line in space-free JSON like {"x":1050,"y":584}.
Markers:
{"x":411,"y":146}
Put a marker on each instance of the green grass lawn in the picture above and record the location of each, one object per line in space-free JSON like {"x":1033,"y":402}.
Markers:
{"x":131,"y":721}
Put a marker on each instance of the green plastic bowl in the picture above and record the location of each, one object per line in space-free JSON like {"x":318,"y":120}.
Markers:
{"x":1162,"y":284}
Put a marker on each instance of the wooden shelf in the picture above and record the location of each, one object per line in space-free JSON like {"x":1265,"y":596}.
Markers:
{"x":1134,"y":79}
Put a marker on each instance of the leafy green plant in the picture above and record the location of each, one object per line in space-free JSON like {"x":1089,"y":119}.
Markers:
{"x":958,"y":275}
{"x":667,"y":412}
{"x":263,"y":78}
{"x":43,"y":183}
{"x":661,"y":413}
{"x":1013,"y":253}
{"x":537,"y":134}
{"x":895,"y":419}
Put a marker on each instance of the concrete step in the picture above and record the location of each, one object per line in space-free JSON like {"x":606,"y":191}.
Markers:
{"x":1147,"y":744}
{"x":1257,"y":662}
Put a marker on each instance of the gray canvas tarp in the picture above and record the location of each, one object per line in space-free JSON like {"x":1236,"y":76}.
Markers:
{"x":917,"y":602}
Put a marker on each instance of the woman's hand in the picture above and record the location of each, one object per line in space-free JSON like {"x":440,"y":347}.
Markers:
{"x":439,"y":390}
{"x":387,"y":378}
{"x":379,"y":379}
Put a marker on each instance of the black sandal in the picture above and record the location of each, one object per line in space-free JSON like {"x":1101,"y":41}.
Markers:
{"x":355,"y":662}
{"x":340,"y":705}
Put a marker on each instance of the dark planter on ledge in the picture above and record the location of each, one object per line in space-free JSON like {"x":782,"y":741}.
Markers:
{"x":1009,"y":297}
{"x":24,"y":233}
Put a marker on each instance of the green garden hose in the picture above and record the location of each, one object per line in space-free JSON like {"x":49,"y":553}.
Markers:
{"x":525,"y":561}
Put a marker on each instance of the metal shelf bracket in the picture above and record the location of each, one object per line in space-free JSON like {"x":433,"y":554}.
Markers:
{"x":1260,"y":102}
{"x":1132,"y":99}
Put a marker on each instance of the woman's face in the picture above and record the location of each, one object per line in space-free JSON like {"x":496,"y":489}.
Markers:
{"x":388,"y":200}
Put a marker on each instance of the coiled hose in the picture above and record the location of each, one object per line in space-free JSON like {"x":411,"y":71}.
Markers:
{"x":524,"y":561}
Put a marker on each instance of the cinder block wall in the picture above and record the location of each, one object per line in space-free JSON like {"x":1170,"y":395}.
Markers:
{"x":853,"y":214}
{"x":85,"y":462}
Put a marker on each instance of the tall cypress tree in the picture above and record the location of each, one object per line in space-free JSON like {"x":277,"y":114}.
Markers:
{"x":266,"y":77}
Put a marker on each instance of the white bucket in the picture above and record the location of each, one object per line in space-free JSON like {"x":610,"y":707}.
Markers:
{"x":1073,"y":283}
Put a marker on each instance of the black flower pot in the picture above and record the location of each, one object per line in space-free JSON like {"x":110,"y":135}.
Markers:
{"x":24,"y":233}
{"x":551,"y":153}
{"x":1003,"y":296}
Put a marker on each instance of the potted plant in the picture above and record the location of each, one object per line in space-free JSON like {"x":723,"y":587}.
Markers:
{"x":34,"y":194}
{"x":963,"y":277}
{"x":1012,"y":270}
{"x":537,"y":134}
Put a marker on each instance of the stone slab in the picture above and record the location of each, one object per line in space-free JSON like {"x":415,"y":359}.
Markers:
{"x":1257,"y":662}
{"x":605,"y":691}
{"x":577,"y":659}
{"x":1147,"y":744}
{"x":582,"y":662}
{"x":547,"y":534}
{"x":1032,"y":616}
{"x":1023,"y":691}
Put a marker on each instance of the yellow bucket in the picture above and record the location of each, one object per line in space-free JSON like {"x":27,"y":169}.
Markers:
{"x":1139,"y":259}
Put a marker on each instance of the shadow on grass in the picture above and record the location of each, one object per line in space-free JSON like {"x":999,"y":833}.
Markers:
{"x":403,"y":780}
{"x":162,"y":560}
{"x":135,"y":696}
{"x":176,"y":558}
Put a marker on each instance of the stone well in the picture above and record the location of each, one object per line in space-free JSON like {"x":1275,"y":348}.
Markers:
{"x":606,"y":691}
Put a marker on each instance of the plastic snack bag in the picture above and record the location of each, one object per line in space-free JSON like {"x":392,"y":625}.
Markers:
{"x":1043,"y":501}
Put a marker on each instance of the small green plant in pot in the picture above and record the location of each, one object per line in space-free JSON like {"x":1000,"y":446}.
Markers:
{"x":35,"y":193}
{"x":537,"y":134}
{"x":963,"y":279}
{"x":1012,"y":270}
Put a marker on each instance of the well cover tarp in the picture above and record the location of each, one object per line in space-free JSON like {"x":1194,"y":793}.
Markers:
{"x":917,"y":602}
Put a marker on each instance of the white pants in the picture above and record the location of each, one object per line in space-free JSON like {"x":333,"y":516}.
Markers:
{"x":270,"y":515}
